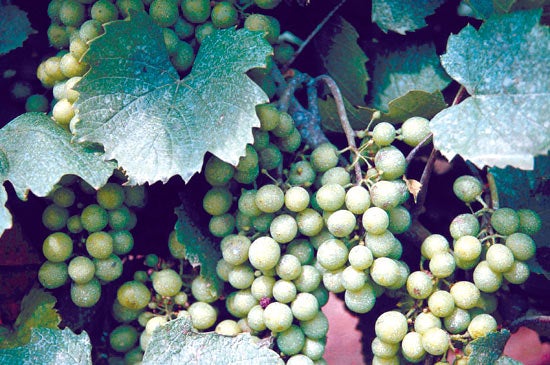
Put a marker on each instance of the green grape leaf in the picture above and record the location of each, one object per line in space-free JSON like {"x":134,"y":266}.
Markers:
{"x":156,"y":125}
{"x":506,"y":360}
{"x":503,"y":66}
{"x":37,"y":310}
{"x":487,"y":349}
{"x":479,"y":9}
{"x":402,"y":15}
{"x":39,"y":152}
{"x":358,"y":117}
{"x":200,"y":249}
{"x":506,"y":6}
{"x":343,"y":59}
{"x":49,"y":346}
{"x":15,"y":28}
{"x":397,"y":72}
{"x":178,"y":343}
{"x":415,"y":103}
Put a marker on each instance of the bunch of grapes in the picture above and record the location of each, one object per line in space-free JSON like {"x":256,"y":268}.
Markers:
{"x":91,"y":230}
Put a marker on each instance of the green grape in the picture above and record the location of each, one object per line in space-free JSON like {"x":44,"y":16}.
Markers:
{"x":248,"y":176}
{"x":94,"y":218}
{"x":488,"y":303}
{"x":288,"y":267}
{"x":283,"y":228}
{"x":262,"y":222}
{"x":71,"y":13}
{"x":385,"y":195}
{"x":183,"y":57}
{"x":119,"y":218}
{"x":203,"y":315}
{"x":53,"y":10}
{"x":296,"y":199}
{"x":467,"y":188}
{"x":357,"y":199}
{"x":299,"y":359}
{"x":90,"y":29}
{"x":164,"y":12}
{"x":499,"y":258}
{"x":255,"y":318}
{"x":301,"y":174}
{"x":36,"y":103}
{"x":293,"y":141}
{"x":125,"y":315}
{"x":167,"y":282}
{"x":235,"y":249}
{"x":317,"y":327}
{"x":99,"y":245}
{"x":224,"y":15}
{"x":249,"y":160}
{"x":486,"y":279}
{"x":384,"y":350}
{"x":391,"y":327}
{"x":141,"y":276}
{"x":57,"y":247}
{"x":228,"y":327}
{"x":360,"y":257}
{"x":302,"y":250}
{"x":414,"y":130}
{"x":204,"y":290}
{"x":332,"y":254}
{"x":283,"y":53}
{"x":385,"y":272}
{"x":278,"y":317}
{"x":104,"y":11}
{"x":247,"y":203}
{"x":308,"y":280}
{"x":123,"y":338}
{"x":177,"y":249}
{"x":108,"y":269}
{"x":435,"y":341}
{"x":336,"y":175}
{"x":241,"y":276}
{"x":381,"y":244}
{"x":110,"y":196}
{"x":361,"y":300}
{"x":383,"y":134}
{"x":267,"y":4}
{"x":184,"y":29}
{"x":270,"y":157}
{"x":284,"y":291}
{"x":52,"y":275}
{"x":264,"y":253}
{"x":285,"y":127}
{"x":441,"y":303}
{"x":411,"y":347}
{"x":81,"y":269}
{"x":240,"y":302}
{"x":341,"y":223}
{"x":353,"y":279}
{"x":518,"y":274}
{"x":124,"y":6}
{"x":481,"y":325}
{"x":419,"y":285}
{"x":467,"y":248}
{"x":322,"y":295}
{"x":71,"y":67}
{"x":314,"y":349}
{"x":402,"y":275}
{"x":269,"y":25}
{"x":123,"y":242}
{"x":72,"y":94}
{"x":505,"y":221}
{"x":269,"y":116}
{"x":151,"y":260}
{"x":63,"y":197}
{"x":133,"y":295}
{"x":331,"y":197}
{"x":464,"y":225}
{"x":305,"y":306}
{"x":433,"y":244}
{"x":262,"y":287}
{"x":324,"y":157}
{"x":375,"y":220}
{"x":442,"y":265}
{"x":465,"y":294}
{"x":529,"y":221}
{"x":400,"y":220}
{"x":86,"y":295}
{"x":63,"y":112}
{"x":390,"y":163}
{"x":55,"y":217}
{"x":458,"y":321}
{"x":270,"y":198}
{"x":196,"y":11}
{"x":217,"y":201}
{"x":522,"y":246}
{"x":221,"y":225}
{"x":332,"y":280}
{"x":426,"y":320}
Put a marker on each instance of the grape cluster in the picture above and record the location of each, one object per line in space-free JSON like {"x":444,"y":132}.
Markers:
{"x":91,"y":230}
{"x":185,"y":24}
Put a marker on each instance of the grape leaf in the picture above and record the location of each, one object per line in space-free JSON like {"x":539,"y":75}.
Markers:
{"x":177,"y":343}
{"x":399,"y":71}
{"x":506,"y":360}
{"x":487,"y":349}
{"x":504,"y":68}
{"x":415,"y":103}
{"x":402,"y":15}
{"x":343,"y":59}
{"x":15,"y":28}
{"x":36,"y":311}
{"x":39,"y":152}
{"x":479,"y":9}
{"x":5,"y":215}
{"x":506,"y":6}
{"x":156,"y":125}
{"x":540,"y":324}
{"x":358,"y":117}
{"x":200,"y":249}
{"x":50,"y":347}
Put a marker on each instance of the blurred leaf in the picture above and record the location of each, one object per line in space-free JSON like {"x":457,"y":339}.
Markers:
{"x":414,"y":103}
{"x":487,"y":349}
{"x":50,"y":347}
{"x":156,"y":125}
{"x":504,"y":66}
{"x":15,"y":28}
{"x":479,"y":9}
{"x":359,"y":118}
{"x":402,"y":15}
{"x":505,"y":6}
{"x":343,"y":59}
{"x":400,"y":71}
{"x":539,"y":324}
{"x":178,"y":343}
{"x":506,"y":360}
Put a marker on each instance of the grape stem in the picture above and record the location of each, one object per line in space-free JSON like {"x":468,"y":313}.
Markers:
{"x":415,"y":150}
{"x":494,"y":191}
{"x":424,"y":180}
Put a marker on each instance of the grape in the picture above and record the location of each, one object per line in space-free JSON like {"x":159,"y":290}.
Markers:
{"x":486,"y":279}
{"x":296,"y":199}
{"x":289,"y":267}
{"x":110,"y":196}
{"x":458,"y":321}
{"x":240,"y":302}
{"x":270,"y":198}
{"x":63,"y":197}
{"x":400,"y":220}
{"x":419,"y":285}
{"x":262,"y":287}
{"x":487,"y":302}
{"x":203,"y":315}
{"x":361,"y":300}
{"x":299,"y":359}
{"x":53,"y":275}
{"x":385,"y":271}
{"x":426,"y":320}
{"x":301,"y":173}
{"x":441,"y":303}
{"x":123,"y":338}
{"x":283,"y":53}
{"x":481,"y":325}
{"x":529,"y":221}
{"x":250,"y":160}
{"x":353,"y":279}
{"x":71,"y":13}
{"x":269,"y":25}
{"x":522,"y":246}
{"x":270,"y":157}
{"x":310,"y":223}
{"x":217,"y":201}
{"x":291,"y":341}
{"x":505,"y":221}
{"x":332,"y":254}
{"x":167,"y":282}
{"x":357,"y":199}
{"x":124,"y":6}
{"x":228,"y":327}
{"x":241,"y":276}
{"x":155,"y":322}
{"x":384,"y":350}
{"x":267,"y":4}
{"x":317,"y":327}
{"x":314,"y":349}
{"x":308,"y":280}
{"x":247,"y":204}
{"x":383,"y":134}
{"x":464,"y":225}
{"x":304,"y":307}
{"x":284,"y":291}
{"x":385,"y":195}
{"x":221,"y":225}
{"x":235,"y":249}
{"x":108,"y":269}
{"x":63,"y":112}
{"x":278,"y":317}
{"x":414,"y":130}
{"x":86,"y":295}
{"x":341,"y":223}
{"x":264,"y":253}
{"x":81,"y":269}
{"x":411,"y":347}
{"x":218,"y":172}
{"x":55,"y":217}
{"x":467,"y":248}
{"x":90,"y":29}
{"x":104,"y":11}
{"x":330,"y":197}
{"x":94,"y":218}
{"x":262,"y":222}
{"x":324,"y":157}
{"x":57,"y":247}
{"x":99,"y":245}
{"x":394,"y":360}
{"x":135,"y":355}
{"x":36,"y":103}
{"x":332,"y":280}
{"x":285,"y":127}
{"x":467,"y":188}
{"x":435,"y":341}
{"x":283,"y":228}
{"x":255,"y":318}
{"x":123,"y":314}
{"x":381,"y":245}
{"x":336,"y":175}
{"x":375,"y":220}
{"x":442,"y":265}
{"x":499,"y":258}
{"x":195,"y":11}
{"x":391,"y":327}
{"x":465,"y":294}
{"x":360,"y":257}
{"x":302,"y":250}
{"x":518,"y":274}
{"x":133,"y":295}
{"x":71,"y":67}
{"x":390,"y":163}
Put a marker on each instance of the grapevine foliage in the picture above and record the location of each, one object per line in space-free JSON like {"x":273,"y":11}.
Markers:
{"x":15,"y":28}
{"x":402,"y":16}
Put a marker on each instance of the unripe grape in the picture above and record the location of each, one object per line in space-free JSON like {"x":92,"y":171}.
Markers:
{"x":353,"y":279}
{"x":123,"y":338}
{"x":522,"y":246}
{"x":94,"y":218}
{"x":465,"y":294}
{"x":71,"y":13}
{"x":167,"y":282}
{"x":284,"y":291}
{"x":361,"y":300}
{"x":310,"y":223}
{"x":71,"y":67}
{"x":119,"y":218}
{"x":458,"y":321}
{"x":249,"y":161}
{"x":442,"y":265}
{"x":435,"y":341}
{"x":375,"y":220}
{"x":203,"y":315}
{"x":86,"y":295}
{"x":317,"y":327}
{"x":221,"y":225}
{"x":336,"y":175}
{"x":384,"y":350}
{"x":264,"y":253}
{"x":235,"y":249}
{"x":385,"y":195}
{"x":104,"y":11}
{"x":304,"y":307}
{"x":314,"y":349}
{"x":518,"y":274}
{"x":283,"y":228}
{"x":296,"y":199}
{"x":481,"y":325}
{"x":381,"y":245}
{"x":302,"y":250}
{"x":411,"y":347}
{"x":441,"y":303}
{"x":391,"y":327}
{"x":218,"y":172}
{"x":247,"y":204}
{"x":357,"y":199}
{"x":464,"y":225}
{"x":269,"y":116}
{"x":262,"y":287}
{"x":54,"y":217}
{"x":383,"y":134}
{"x":57,"y":247}
{"x":486,"y":279}
{"x":299,"y":359}
{"x":260,"y":22}
{"x":414,"y":130}
{"x":332,"y":254}
{"x":467,"y":188}
{"x":181,"y":298}
{"x":53,"y":275}
{"x":133,"y":295}
{"x":289,"y":267}
{"x":99,"y":245}
{"x":390,"y":163}
{"x":385,"y":271}
{"x":270,"y":157}
{"x":262,"y":222}
{"x":81,"y":269}
{"x":499,"y":258}
{"x":267,"y":4}
{"x":177,"y":248}
{"x":125,"y":315}
{"x":529,"y":221}
{"x":505,"y":221}
{"x":240,"y":302}
{"x":90,"y":29}
{"x":283,"y":53}
{"x":467,"y":248}
{"x":360,"y":257}
{"x":241,"y":276}
{"x":217,"y":201}
{"x":400,"y":220}
{"x":419,"y":285}
{"x":330,"y":197}
{"x":124,"y":6}
{"x":301,"y":174}
{"x":270,"y":198}
{"x":255,"y":318}
{"x":108,"y":269}
{"x":332,"y":280}
{"x":63,"y":112}
{"x":308,"y":280}
{"x":196,"y":11}
{"x":341,"y":223}
{"x":278,"y":317}
{"x":426,"y":320}
{"x":324,"y":157}
{"x":204,"y":289}
{"x":488,"y":303}
{"x":291,"y":341}
{"x":228,"y":327}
